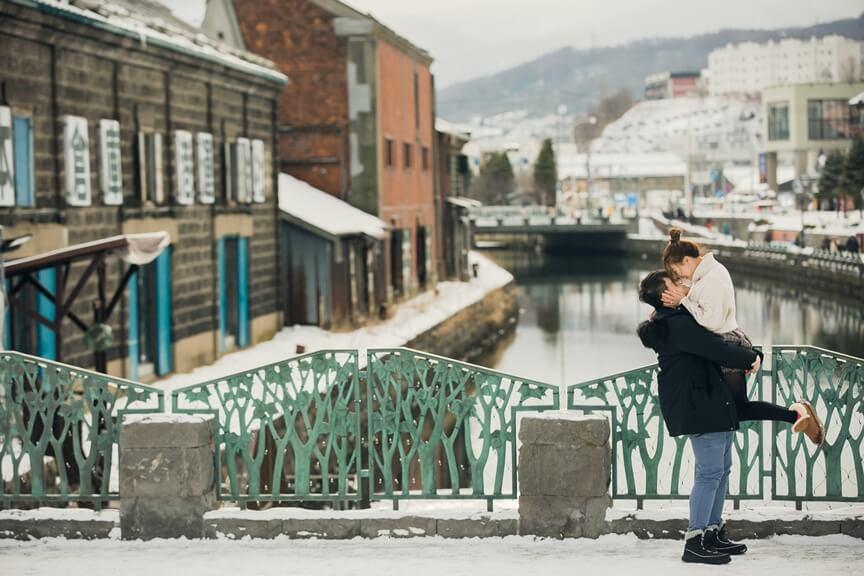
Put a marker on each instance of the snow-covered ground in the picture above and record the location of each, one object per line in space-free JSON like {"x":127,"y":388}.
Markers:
{"x":411,"y":319}
{"x":625,"y":555}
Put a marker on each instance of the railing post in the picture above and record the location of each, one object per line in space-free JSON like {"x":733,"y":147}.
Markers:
{"x":564,"y":474}
{"x":166,"y":476}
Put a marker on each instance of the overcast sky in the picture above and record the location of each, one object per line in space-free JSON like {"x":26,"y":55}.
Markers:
{"x":470,"y":38}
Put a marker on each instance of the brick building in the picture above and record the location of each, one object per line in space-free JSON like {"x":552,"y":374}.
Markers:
{"x":125,"y":120}
{"x":357,"y":119}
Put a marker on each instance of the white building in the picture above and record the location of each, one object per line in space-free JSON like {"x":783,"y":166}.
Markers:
{"x":749,"y":67}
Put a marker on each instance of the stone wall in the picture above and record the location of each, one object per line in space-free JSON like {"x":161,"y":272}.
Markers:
{"x":54,"y":67}
{"x":475,"y":330}
{"x":564,"y":475}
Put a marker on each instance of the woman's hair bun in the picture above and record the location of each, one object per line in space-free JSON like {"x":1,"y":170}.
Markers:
{"x":675,"y":235}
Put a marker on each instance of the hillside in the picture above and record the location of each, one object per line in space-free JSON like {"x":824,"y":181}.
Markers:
{"x":577,"y":77}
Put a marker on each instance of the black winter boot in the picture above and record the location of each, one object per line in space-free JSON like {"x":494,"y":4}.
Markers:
{"x":696,"y":552}
{"x":716,"y":539}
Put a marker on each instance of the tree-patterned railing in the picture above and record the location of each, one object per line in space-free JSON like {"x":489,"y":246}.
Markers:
{"x":300,"y":429}
{"x":59,"y":430}
{"x":287,"y":431}
{"x":442,"y":428}
{"x":647,"y":464}
{"x":407,"y":424}
{"x":834,"y":384}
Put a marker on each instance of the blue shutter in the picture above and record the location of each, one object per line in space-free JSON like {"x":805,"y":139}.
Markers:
{"x":45,"y":338}
{"x":22,"y":145}
{"x":163,"y":312}
{"x":223,"y":296}
{"x":243,"y":291}
{"x":132,"y":344}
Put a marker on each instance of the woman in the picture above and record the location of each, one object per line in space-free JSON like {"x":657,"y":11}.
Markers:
{"x":695,"y":402}
{"x":710,"y":299}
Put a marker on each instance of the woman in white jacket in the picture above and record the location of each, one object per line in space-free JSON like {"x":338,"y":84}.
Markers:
{"x":710,"y":299}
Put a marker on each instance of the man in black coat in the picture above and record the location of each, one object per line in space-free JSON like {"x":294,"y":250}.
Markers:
{"x":695,"y":401}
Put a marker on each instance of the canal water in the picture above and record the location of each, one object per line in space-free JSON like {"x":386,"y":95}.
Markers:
{"x":578,"y":317}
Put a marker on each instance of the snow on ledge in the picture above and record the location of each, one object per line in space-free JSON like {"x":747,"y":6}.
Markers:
{"x":75,"y":514}
{"x":166,"y":418}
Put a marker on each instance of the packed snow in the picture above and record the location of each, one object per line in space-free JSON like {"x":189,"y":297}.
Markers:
{"x":781,"y":556}
{"x":412,"y":318}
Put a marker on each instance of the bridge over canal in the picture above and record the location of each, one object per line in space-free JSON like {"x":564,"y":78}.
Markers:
{"x":548,"y":230}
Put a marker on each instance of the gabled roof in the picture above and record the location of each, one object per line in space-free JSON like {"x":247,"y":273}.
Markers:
{"x":338,"y":8}
{"x":323,"y":212}
{"x":153,"y":23}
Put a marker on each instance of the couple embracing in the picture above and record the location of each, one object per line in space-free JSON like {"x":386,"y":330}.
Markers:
{"x":704,"y":359}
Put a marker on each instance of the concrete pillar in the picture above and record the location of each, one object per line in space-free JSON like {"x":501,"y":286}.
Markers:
{"x":564,"y":474}
{"x":166,"y":476}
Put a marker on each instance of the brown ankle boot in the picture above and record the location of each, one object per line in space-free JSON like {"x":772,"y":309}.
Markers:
{"x":811,"y":425}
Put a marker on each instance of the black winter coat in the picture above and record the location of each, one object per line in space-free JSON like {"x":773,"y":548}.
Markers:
{"x":694,"y":398}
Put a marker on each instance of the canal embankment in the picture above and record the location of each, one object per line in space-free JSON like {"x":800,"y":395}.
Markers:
{"x":836,"y":274}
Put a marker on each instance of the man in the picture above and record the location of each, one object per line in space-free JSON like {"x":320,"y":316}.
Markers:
{"x":695,"y":402}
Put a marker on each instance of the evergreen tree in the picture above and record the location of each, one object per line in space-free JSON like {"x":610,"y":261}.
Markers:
{"x":546,"y":174}
{"x":853,"y":173}
{"x":832,"y":173}
{"x":496,"y":183}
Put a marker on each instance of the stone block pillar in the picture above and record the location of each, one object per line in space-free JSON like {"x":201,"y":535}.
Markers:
{"x":564,"y":474}
{"x":166,"y":476}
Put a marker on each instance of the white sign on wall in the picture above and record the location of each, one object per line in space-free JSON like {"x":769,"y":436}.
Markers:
{"x":258,"y":171}
{"x":244,"y":170}
{"x":76,"y":153}
{"x":7,"y":161}
{"x":184,"y":162}
{"x":110,"y":167}
{"x":206,"y":185}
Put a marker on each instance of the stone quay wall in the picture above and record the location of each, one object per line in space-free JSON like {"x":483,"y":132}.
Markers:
{"x":474,"y":330}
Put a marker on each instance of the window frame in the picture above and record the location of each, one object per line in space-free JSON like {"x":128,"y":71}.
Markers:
{"x":30,"y":173}
{"x":822,"y":127}
{"x":407,"y":155}
{"x":389,"y":153}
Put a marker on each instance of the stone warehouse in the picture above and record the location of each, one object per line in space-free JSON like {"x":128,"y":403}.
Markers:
{"x":357,"y":119}
{"x":116,"y":118}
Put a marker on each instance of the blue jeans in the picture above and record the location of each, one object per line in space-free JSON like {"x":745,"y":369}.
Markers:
{"x":713,"y":452}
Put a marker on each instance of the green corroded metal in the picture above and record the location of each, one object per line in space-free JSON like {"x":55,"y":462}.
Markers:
{"x":442,"y":428}
{"x":287,"y":431}
{"x":646,"y":462}
{"x":834,"y":384}
{"x":59,"y":429}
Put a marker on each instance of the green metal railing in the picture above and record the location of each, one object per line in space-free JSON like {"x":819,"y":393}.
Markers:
{"x":442,"y":428}
{"x":399,"y":424}
{"x":834,"y":384}
{"x":287,"y":431}
{"x":59,"y":429}
{"x":647,"y":464}
{"x":301,"y":429}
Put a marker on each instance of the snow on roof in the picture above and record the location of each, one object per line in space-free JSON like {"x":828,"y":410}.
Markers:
{"x":152,"y":23}
{"x":667,"y":125}
{"x":622,"y":165}
{"x":857,"y":100}
{"x":746,"y":179}
{"x":324,"y":211}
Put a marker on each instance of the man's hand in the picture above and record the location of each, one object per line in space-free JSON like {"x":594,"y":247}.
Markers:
{"x":673,"y":295}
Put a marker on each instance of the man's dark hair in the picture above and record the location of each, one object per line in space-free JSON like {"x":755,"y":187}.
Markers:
{"x":652,"y":332}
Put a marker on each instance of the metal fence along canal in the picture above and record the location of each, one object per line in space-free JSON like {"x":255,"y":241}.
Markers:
{"x":391,"y":424}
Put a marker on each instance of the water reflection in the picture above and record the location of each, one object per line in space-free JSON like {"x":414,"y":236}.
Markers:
{"x":579,"y":317}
